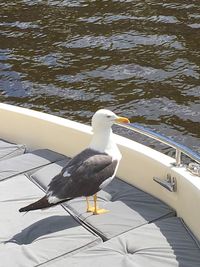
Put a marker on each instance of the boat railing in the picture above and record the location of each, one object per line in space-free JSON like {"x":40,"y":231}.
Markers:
{"x":179,"y":148}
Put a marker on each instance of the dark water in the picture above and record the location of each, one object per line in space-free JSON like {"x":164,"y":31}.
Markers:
{"x":139,"y":58}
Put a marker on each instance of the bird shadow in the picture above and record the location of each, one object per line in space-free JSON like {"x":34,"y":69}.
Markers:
{"x":41,"y":228}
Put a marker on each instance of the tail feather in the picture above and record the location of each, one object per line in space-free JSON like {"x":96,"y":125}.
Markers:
{"x":40,"y":204}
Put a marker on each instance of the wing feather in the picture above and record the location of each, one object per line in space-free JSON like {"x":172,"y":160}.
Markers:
{"x":85,"y":175}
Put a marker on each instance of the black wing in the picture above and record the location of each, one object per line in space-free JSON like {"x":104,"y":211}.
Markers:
{"x":82,"y":176}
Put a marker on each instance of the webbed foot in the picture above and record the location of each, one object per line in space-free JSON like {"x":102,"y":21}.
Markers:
{"x":100,"y":211}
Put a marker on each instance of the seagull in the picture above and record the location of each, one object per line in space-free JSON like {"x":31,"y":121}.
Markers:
{"x":89,"y":171}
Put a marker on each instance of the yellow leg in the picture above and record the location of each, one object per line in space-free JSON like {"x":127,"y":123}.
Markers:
{"x":96,"y":209}
{"x":89,"y":208}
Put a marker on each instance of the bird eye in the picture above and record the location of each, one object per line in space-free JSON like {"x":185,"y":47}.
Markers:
{"x":108,"y":116}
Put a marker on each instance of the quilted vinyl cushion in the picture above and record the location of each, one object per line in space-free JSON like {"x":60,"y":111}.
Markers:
{"x":27,"y":162}
{"x":33,"y":238}
{"x":9,"y":150}
{"x":165,"y":243}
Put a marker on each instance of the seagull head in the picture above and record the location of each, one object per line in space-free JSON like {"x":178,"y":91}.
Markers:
{"x":104,"y":119}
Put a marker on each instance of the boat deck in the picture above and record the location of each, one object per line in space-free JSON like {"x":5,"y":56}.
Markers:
{"x":138,"y":230}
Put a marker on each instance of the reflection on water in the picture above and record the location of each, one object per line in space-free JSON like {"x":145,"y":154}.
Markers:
{"x":139,"y":58}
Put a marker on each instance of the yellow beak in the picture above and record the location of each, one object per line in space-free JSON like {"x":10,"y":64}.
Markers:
{"x":122,"y":120}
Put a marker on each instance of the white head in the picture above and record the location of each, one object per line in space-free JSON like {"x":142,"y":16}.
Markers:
{"x":102,"y":139}
{"x":104,"y":119}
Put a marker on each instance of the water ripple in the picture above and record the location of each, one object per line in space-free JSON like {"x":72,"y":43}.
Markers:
{"x":139,"y":58}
